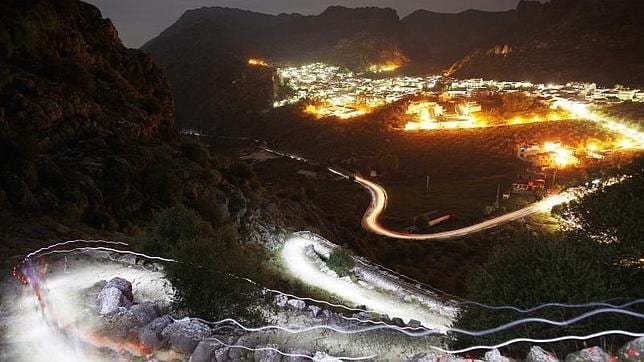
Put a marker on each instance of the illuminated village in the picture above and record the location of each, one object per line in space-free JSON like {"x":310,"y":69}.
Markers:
{"x":332,"y":91}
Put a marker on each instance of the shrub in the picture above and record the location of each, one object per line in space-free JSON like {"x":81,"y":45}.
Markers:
{"x":340,"y":261}
{"x":207,"y":257}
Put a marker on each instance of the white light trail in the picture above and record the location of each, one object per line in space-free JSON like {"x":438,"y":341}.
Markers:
{"x":296,"y":262}
{"x":424,"y":332}
{"x":533,"y":340}
{"x":293,"y":355}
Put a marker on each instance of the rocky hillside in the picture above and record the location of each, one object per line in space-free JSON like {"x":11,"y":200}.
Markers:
{"x":584,"y":40}
{"x":87,"y":138}
{"x":435,"y":41}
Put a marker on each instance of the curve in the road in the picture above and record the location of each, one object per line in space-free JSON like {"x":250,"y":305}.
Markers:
{"x":370,"y":220}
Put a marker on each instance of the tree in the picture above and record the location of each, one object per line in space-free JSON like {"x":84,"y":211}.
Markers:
{"x":208,"y":258}
{"x":542,"y":270}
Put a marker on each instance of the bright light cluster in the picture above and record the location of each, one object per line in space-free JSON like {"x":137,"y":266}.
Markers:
{"x":431,"y":115}
{"x":257,"y":62}
{"x":386,"y":67}
{"x":561,"y":156}
{"x":332,"y":91}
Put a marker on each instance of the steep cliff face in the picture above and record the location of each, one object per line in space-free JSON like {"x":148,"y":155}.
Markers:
{"x":435,"y":40}
{"x":584,"y":40}
{"x":87,"y":127}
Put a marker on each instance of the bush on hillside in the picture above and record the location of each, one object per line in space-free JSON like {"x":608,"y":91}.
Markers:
{"x":535,"y":271}
{"x":207,"y":257}
{"x":340,"y":261}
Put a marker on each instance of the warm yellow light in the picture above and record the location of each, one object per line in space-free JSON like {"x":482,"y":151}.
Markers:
{"x":386,"y":67}
{"x":562,"y":156}
{"x":258,"y":62}
{"x":310,"y":109}
{"x":626,"y":143}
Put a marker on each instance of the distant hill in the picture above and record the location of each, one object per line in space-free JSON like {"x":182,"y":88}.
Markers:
{"x":205,"y":52}
{"x":582,"y":40}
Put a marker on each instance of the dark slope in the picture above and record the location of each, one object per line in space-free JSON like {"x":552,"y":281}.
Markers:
{"x":583,"y":40}
{"x":87,"y":129}
{"x":434,"y":40}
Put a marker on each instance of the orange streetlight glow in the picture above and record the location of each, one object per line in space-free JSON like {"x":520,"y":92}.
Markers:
{"x":257,"y":62}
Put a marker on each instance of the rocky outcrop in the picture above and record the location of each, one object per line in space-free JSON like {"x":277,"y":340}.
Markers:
{"x":115,"y":296}
{"x":87,"y":128}
{"x":196,"y":341}
{"x":538,"y":354}
{"x":632,"y":351}
{"x":592,"y":354}
{"x":183,"y":336}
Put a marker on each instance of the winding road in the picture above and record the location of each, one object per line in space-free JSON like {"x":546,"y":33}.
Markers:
{"x":379,"y":204}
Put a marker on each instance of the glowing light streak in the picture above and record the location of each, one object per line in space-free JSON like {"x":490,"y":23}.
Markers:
{"x":379,"y":204}
{"x":134,"y":348}
{"x":460,"y":301}
{"x":258,"y":62}
{"x":426,"y":331}
{"x":102,"y":248}
{"x":534,"y":340}
{"x":583,"y":111}
{"x":293,"y":355}
{"x":294,"y":257}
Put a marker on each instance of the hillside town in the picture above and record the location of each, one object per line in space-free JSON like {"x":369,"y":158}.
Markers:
{"x":333,"y":91}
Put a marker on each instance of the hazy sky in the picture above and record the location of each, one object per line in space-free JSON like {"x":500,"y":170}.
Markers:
{"x":140,"y":20}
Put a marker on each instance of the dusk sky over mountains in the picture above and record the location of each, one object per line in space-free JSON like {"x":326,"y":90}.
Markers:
{"x":140,"y":20}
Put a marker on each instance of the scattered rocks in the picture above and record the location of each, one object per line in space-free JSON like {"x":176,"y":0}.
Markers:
{"x":398,"y":322}
{"x":632,"y":351}
{"x":123,"y":323}
{"x":123,"y":285}
{"x":315,"y":311}
{"x":538,"y":354}
{"x":592,"y":354}
{"x":495,"y":356}
{"x":297,"y":304}
{"x":281,"y":300}
{"x":414,"y":323}
{"x":267,"y":353}
{"x":184,"y":336}
{"x":151,"y":334}
{"x":205,"y":351}
{"x":221,"y":355}
{"x":111,"y":298}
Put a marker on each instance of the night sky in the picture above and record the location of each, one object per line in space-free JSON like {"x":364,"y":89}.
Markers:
{"x":140,"y":20}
